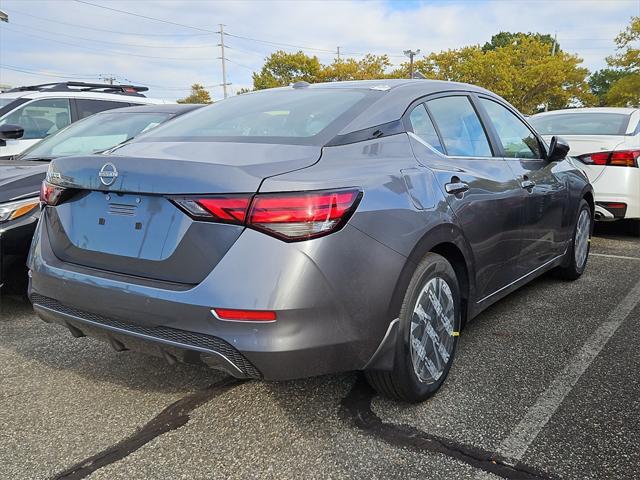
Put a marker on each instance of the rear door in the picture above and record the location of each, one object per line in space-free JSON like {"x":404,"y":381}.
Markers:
{"x":480,"y":188}
{"x":544,"y":196}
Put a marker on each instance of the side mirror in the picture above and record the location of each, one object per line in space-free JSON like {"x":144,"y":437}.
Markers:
{"x":11,"y":132}
{"x":558,"y":149}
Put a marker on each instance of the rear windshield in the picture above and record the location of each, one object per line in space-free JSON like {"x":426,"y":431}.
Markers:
{"x":305,"y":116}
{"x":581,"y":123}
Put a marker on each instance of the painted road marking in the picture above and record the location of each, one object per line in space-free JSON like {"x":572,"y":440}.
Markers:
{"x":613,"y":256}
{"x":514,"y":447}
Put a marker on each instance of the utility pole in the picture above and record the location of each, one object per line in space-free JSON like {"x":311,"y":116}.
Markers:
{"x":338,"y":52}
{"x":224,"y":61}
{"x":553,"y":54}
{"x":411,"y":54}
{"x":108,"y":78}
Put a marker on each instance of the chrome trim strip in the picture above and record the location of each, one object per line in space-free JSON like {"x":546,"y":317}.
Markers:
{"x":135,"y":334}
{"x":522,"y":277}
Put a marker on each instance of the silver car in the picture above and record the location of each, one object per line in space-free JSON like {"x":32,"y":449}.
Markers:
{"x":311,"y":229}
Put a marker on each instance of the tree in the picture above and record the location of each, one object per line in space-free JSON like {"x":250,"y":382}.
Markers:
{"x":601,"y":82}
{"x":626,"y":90}
{"x":504,"y":39}
{"x":523,"y":71}
{"x":371,"y":67}
{"x":198,"y":95}
{"x":282,"y":68}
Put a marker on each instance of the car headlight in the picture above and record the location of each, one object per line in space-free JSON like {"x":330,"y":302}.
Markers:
{"x":17,"y":209}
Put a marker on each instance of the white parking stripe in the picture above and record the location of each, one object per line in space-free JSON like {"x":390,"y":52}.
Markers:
{"x":613,"y":256}
{"x":516,"y":444}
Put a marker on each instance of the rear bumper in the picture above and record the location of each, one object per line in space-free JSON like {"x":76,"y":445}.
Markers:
{"x":619,"y":185}
{"x":330,"y":319}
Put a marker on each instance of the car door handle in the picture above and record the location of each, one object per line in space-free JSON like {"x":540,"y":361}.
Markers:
{"x":455,"y":188}
{"x":528,"y":184}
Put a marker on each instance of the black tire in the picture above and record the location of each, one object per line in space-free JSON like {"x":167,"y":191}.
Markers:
{"x":403,"y":383}
{"x":570,"y":270}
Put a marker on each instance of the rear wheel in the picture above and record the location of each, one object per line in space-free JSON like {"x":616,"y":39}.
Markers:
{"x":427,"y":336}
{"x":578,"y":253}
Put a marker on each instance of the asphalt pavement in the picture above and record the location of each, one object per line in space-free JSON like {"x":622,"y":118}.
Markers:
{"x":545,"y":385}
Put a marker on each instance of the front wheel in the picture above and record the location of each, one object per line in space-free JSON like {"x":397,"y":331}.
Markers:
{"x":427,"y":336}
{"x":578,"y":253}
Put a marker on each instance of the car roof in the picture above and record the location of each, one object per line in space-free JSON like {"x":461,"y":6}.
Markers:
{"x":32,"y":95}
{"x":169,"y":108}
{"x":620,"y":110}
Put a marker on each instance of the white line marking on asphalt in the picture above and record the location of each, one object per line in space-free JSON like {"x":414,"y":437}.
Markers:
{"x":613,"y":256}
{"x":514,"y":447}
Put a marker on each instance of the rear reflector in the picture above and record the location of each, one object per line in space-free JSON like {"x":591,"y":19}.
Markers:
{"x":290,"y":216}
{"x":617,"y":209}
{"x":620,"y":158}
{"x":244,"y":315}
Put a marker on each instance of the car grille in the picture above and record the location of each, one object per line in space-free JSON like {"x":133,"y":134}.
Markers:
{"x":184,"y":337}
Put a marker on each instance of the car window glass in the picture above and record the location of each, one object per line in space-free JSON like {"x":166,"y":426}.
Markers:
{"x":96,"y":133}
{"x":40,"y":118}
{"x":423,"y":127}
{"x":460,"y":127}
{"x":516,"y":138}
{"x":581,"y":123}
{"x":89,"y":107}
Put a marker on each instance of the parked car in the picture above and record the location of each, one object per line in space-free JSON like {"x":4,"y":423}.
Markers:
{"x":311,"y":229}
{"x":29,"y":114}
{"x":607,"y":142}
{"x":20,"y":179}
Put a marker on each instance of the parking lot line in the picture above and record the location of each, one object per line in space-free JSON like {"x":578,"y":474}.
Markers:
{"x":514,"y":447}
{"x":613,"y":256}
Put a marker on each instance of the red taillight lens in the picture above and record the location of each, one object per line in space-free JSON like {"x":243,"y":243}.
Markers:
{"x":288,"y":216}
{"x":245,"y":315}
{"x":225,"y":209}
{"x":304,"y":215}
{"x":621,"y":158}
{"x":51,"y":194}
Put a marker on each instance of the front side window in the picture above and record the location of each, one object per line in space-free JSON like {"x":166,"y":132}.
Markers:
{"x":460,"y":127}
{"x":423,"y":127}
{"x":516,"y":138}
{"x":40,"y":118}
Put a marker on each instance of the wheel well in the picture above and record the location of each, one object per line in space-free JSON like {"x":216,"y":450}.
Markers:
{"x":456,"y":258}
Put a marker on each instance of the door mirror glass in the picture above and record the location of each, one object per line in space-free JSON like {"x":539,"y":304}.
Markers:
{"x":11,"y":132}
{"x":558,"y":149}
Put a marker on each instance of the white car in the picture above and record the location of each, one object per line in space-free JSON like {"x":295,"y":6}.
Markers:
{"x":40,"y":110}
{"x":607,"y":142}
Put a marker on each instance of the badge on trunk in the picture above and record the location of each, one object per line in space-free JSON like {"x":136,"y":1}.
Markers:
{"x":108,"y":174}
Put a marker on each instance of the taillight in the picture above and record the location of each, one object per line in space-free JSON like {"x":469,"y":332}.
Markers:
{"x":51,"y":194}
{"x":221,"y":208}
{"x":289,"y":216}
{"x":620,"y":158}
{"x":301,"y":216}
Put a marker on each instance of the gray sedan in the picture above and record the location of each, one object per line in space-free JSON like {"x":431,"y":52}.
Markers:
{"x":311,"y":229}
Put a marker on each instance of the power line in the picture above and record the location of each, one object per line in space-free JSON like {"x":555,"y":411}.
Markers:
{"x":110,"y":43}
{"x":112,"y":31}
{"x":281,"y":44}
{"x":144,"y":16}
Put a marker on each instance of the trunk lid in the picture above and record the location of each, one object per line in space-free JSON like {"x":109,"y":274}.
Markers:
{"x":131,"y":227}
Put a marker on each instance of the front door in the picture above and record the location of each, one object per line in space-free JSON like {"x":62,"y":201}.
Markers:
{"x":543,"y":193}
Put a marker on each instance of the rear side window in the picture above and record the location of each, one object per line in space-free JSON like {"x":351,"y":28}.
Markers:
{"x":423,"y":127}
{"x":581,"y":123}
{"x":87,"y":107}
{"x":460,"y":127}
{"x":516,"y":138}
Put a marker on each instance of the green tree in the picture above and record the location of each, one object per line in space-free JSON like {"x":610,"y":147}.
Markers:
{"x":198,"y":95}
{"x":523,"y":71}
{"x":371,"y":67}
{"x":504,"y":39}
{"x":281,"y":69}
{"x":626,"y":90}
{"x":601,"y":82}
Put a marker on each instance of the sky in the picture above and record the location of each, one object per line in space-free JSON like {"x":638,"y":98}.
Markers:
{"x":57,"y":40}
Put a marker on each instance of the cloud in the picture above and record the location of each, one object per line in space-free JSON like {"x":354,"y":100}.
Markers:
{"x":190,"y":55}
